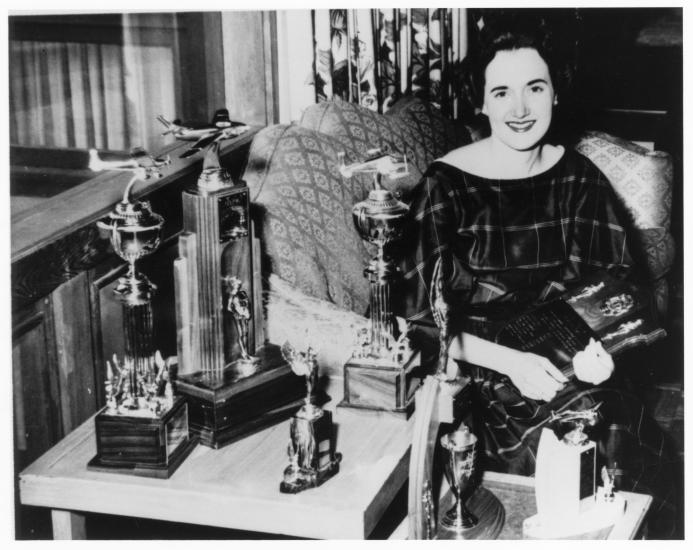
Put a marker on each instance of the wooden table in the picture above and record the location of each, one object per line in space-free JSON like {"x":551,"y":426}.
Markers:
{"x":235,"y":487}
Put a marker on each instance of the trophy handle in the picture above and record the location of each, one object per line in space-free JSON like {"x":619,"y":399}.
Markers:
{"x":359,"y":216}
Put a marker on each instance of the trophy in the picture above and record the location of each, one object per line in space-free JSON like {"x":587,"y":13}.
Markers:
{"x":143,"y":430}
{"x":312,"y":459}
{"x":459,"y":448}
{"x":234,"y":382}
{"x":379,"y":374}
{"x":569,"y":503}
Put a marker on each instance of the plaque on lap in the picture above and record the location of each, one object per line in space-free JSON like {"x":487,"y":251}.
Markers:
{"x":618,"y":313}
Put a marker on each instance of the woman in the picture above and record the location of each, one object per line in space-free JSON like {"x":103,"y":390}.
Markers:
{"x":522,"y":219}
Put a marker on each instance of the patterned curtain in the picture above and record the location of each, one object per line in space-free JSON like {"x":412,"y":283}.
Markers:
{"x":370,"y":57}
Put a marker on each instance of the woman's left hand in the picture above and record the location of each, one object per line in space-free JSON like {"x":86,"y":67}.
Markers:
{"x":594,"y":364}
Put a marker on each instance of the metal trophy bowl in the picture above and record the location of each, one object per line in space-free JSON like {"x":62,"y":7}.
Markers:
{"x":143,"y":429}
{"x":312,"y":457}
{"x":460,"y":455}
{"x":379,"y":374}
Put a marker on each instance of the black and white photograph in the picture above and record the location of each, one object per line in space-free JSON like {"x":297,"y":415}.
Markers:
{"x":345,"y":273}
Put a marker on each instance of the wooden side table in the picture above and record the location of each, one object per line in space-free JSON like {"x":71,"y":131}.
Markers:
{"x":235,"y":487}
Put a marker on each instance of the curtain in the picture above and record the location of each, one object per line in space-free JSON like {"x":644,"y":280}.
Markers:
{"x":370,"y":57}
{"x":88,"y":94}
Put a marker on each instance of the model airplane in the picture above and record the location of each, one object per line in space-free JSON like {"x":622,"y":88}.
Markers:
{"x":138,"y":160}
{"x":220,"y":128}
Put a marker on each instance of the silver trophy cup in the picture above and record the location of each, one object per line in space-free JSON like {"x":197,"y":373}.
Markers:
{"x":459,"y":454}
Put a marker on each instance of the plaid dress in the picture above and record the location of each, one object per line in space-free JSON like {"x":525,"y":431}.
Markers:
{"x":514,"y":243}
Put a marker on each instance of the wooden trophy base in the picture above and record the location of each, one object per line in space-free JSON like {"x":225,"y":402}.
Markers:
{"x":381,"y":386}
{"x":142,"y":446}
{"x":488,"y":511}
{"x":225,"y":410}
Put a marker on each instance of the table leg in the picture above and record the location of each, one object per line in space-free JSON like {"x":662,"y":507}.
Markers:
{"x":68,"y":525}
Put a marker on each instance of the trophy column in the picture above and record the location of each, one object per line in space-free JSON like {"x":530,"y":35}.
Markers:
{"x":234,"y":383}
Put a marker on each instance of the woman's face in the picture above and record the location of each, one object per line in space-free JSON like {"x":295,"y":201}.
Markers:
{"x":518,"y":98}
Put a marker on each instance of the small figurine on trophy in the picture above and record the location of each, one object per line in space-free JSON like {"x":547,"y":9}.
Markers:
{"x":379,"y":374}
{"x":224,"y":362}
{"x":143,"y":429}
{"x":312,"y":459}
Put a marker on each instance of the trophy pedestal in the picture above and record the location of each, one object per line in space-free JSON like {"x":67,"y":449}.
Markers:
{"x":324,"y":462}
{"x":142,"y":445}
{"x":225,"y":410}
{"x":488,"y":511}
{"x":381,"y":385}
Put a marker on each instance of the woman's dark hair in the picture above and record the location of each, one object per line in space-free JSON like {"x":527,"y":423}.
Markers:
{"x":494,"y":30}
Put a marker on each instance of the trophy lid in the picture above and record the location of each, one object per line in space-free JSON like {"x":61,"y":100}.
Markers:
{"x":132,"y":217}
{"x":381,"y":203}
{"x":458,"y":440}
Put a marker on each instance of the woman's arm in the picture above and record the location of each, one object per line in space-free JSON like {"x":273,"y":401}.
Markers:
{"x":535,"y":376}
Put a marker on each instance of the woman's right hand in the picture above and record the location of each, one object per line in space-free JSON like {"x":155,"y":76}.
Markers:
{"x":535,"y":376}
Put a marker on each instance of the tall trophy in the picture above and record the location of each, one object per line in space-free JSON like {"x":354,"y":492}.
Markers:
{"x":235,"y":382}
{"x":143,"y":430}
{"x":312,"y":457}
{"x":379,"y":375}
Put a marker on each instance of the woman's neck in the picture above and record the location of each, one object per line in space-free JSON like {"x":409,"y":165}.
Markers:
{"x":511,"y":163}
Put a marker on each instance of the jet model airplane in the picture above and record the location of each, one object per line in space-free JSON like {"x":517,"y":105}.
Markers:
{"x":220,"y":128}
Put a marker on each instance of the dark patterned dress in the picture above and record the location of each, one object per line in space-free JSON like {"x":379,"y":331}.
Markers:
{"x":514,"y":243}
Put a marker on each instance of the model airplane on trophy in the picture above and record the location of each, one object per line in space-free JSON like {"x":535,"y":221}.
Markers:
{"x":138,"y":161}
{"x":221,"y":128}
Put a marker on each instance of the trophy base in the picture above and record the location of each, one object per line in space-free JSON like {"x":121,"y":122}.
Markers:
{"x":307,"y":479}
{"x":381,"y":386}
{"x":488,"y":511}
{"x":142,"y":446}
{"x":239,"y":404}
{"x":317,"y":434}
{"x":593,"y":524}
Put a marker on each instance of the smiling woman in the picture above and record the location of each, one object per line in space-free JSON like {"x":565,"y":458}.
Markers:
{"x":521,"y":219}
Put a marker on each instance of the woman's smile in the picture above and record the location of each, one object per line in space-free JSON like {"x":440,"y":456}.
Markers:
{"x":521,"y":127}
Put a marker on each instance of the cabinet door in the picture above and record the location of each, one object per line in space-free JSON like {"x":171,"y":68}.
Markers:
{"x":37,"y":414}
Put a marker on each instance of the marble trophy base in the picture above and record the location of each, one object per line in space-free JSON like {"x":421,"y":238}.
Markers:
{"x":326,"y":461}
{"x":381,"y":385}
{"x":141,"y":445}
{"x":488,"y":511}
{"x":241,"y":403}
{"x":594,"y":522}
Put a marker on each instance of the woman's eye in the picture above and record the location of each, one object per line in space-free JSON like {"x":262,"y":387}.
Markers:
{"x":500,"y":94}
{"x":537,"y":89}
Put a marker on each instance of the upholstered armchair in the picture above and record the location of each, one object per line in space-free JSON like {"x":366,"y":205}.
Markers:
{"x":313,"y":258}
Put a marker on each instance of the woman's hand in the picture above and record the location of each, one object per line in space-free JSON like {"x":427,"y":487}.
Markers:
{"x":535,"y":376}
{"x":594,"y":364}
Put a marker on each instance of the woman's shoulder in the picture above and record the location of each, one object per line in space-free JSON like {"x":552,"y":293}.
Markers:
{"x":470,"y":159}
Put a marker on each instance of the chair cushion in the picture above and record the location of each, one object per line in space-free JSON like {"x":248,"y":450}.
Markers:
{"x":302,"y":209}
{"x":642,"y":179}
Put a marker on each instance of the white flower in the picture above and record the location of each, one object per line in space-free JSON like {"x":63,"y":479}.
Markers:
{"x":593,"y":364}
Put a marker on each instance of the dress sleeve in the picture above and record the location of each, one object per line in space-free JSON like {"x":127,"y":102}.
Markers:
{"x":599,"y":240}
{"x":434,"y":217}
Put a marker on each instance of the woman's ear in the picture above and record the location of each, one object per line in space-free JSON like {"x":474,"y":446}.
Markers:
{"x":484,"y":110}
